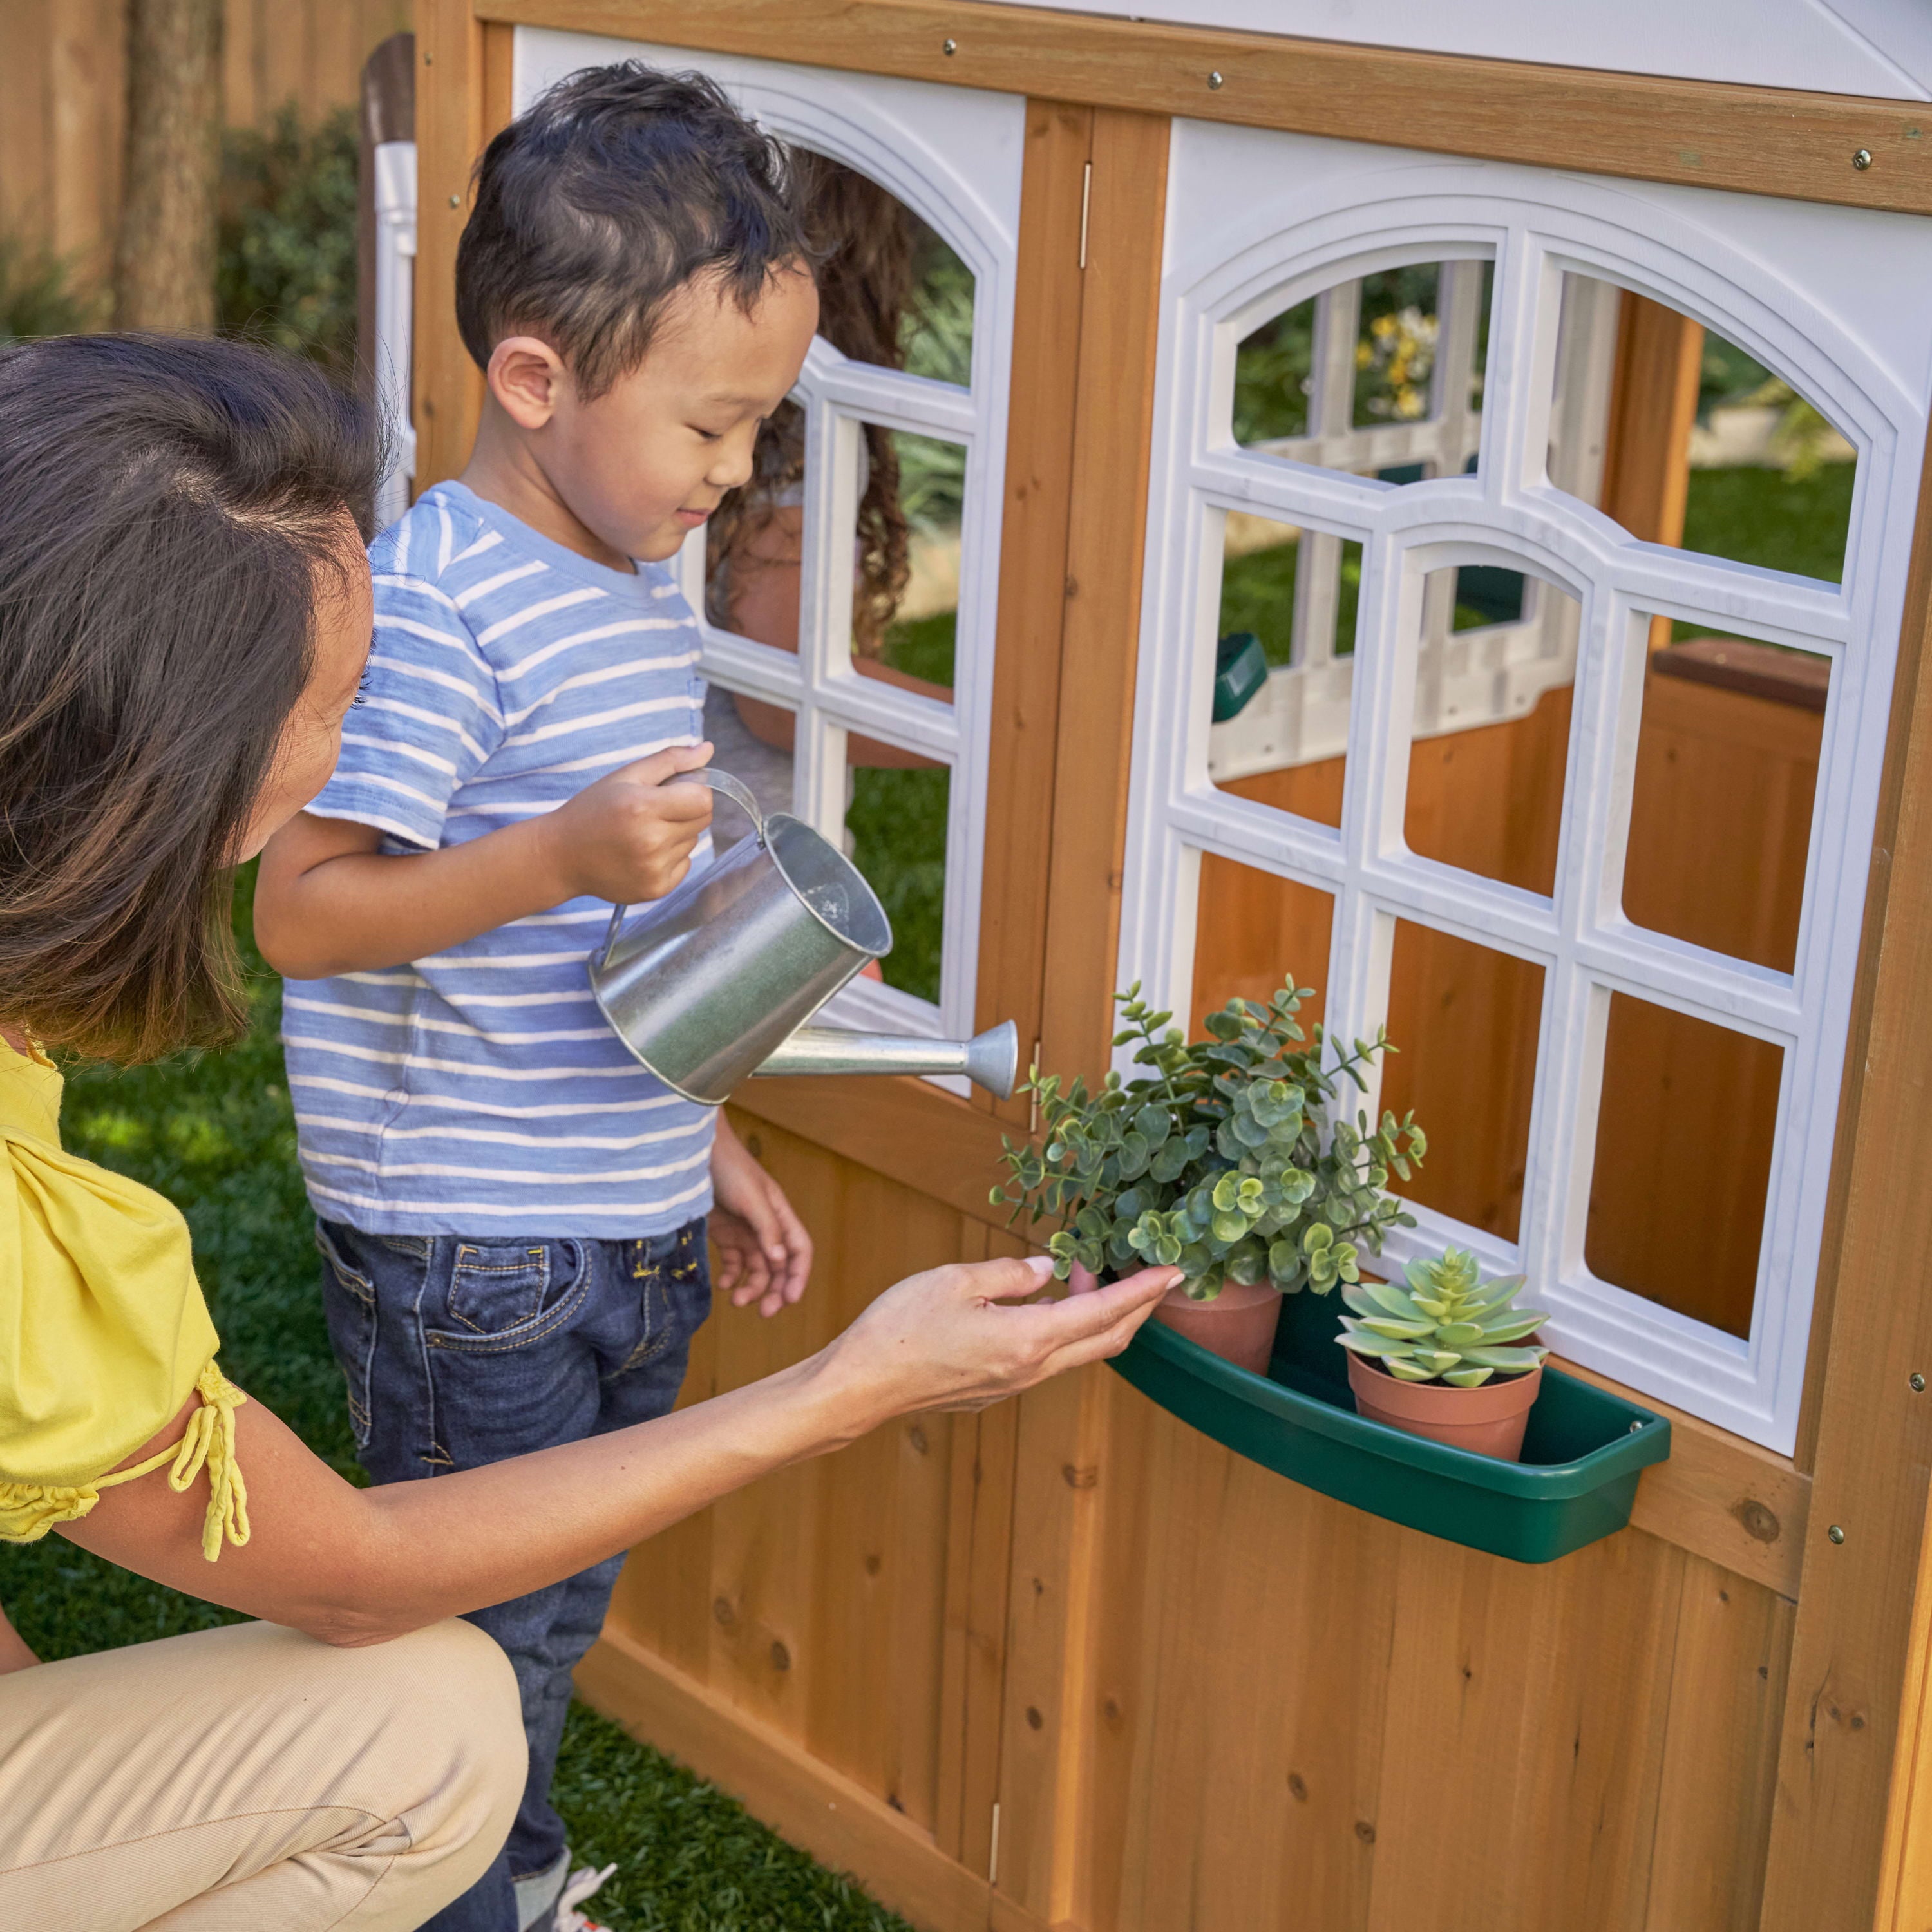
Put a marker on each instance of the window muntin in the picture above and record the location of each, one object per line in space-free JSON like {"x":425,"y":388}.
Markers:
{"x":1522,"y":510}
{"x":1381,"y":376}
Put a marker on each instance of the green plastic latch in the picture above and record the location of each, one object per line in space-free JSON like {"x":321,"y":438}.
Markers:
{"x":1240,"y":670}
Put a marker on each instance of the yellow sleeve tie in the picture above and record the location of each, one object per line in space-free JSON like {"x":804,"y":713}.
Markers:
{"x":27,"y":1510}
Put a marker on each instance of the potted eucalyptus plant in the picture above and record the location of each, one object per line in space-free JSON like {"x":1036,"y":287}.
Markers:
{"x":1446,"y":1355}
{"x":1222,"y":1160}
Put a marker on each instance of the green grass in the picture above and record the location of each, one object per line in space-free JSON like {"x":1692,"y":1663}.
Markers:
{"x":1766,"y":518}
{"x":215,"y":1134}
{"x":923,"y":647}
{"x":897,"y":819}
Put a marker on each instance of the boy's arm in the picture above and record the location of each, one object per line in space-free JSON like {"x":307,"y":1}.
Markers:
{"x":327,"y":901}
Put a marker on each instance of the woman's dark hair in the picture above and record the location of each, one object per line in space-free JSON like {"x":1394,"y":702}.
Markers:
{"x":603,"y":198}
{"x":169,"y":513}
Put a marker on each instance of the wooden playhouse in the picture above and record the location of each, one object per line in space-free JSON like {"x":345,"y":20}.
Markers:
{"x":1437,"y":509}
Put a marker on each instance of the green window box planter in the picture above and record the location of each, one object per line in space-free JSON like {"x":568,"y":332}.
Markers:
{"x":1581,"y":1459}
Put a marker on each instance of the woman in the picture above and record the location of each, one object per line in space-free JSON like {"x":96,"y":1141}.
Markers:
{"x":185,"y":613}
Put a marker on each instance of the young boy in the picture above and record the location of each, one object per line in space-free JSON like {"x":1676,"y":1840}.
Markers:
{"x":511,"y":1209}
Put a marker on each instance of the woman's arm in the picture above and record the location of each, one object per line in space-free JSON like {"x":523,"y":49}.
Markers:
{"x":358,"y":1566}
{"x":14,"y":1655}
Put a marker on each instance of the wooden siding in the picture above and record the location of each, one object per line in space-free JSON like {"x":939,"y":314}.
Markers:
{"x":62,"y":101}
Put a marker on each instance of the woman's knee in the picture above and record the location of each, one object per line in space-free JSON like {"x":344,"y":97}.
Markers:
{"x":457,"y":1679}
{"x":468,"y":1759}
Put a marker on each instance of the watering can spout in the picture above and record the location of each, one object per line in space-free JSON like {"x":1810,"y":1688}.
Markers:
{"x":990,"y":1060}
{"x":717,"y":980}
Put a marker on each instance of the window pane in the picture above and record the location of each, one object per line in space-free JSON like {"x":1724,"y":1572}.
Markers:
{"x":1721,"y":808}
{"x":1683,"y":1163}
{"x":1380,"y":376}
{"x":905,"y":595}
{"x":895,"y":825}
{"x":1255,"y":930}
{"x":1491,"y":734}
{"x":753,"y":546}
{"x":752,"y":740}
{"x":1685,"y":439}
{"x":893,"y":292}
{"x":891,"y":289}
{"x":1284,"y":636}
{"x":1464,"y":1019}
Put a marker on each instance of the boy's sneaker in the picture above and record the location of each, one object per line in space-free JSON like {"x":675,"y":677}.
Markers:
{"x":581,"y":1885}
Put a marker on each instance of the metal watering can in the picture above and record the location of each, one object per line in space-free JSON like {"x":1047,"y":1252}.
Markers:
{"x":715,"y":981}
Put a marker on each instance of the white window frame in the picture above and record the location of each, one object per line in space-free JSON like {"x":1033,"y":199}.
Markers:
{"x":954,"y":156}
{"x":394,"y":163}
{"x":1343,"y":210}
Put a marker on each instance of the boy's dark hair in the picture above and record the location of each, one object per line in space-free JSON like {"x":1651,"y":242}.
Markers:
{"x":603,"y":198}
{"x":170,"y":512}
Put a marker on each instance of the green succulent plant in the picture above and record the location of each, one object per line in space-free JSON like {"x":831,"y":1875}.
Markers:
{"x":1446,"y":1325}
{"x":1221,"y":1160}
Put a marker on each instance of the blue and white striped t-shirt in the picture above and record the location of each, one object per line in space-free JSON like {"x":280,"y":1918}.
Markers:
{"x":480,"y":1091}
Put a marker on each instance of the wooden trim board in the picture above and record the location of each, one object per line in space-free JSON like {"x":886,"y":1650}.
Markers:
{"x":1852,"y":1658}
{"x":1753,"y":140}
{"x":1721,"y":1497}
{"x":903,"y":1128}
{"x":1037,"y":505}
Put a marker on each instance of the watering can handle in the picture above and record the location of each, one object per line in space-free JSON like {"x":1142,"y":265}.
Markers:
{"x":736,"y":790}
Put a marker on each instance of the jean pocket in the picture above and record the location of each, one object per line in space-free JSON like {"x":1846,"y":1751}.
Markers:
{"x":504,"y":1295}
{"x":498,"y":1284}
{"x":349,"y":1305}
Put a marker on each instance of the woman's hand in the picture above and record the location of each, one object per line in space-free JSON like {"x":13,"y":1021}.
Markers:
{"x":954,"y":1338}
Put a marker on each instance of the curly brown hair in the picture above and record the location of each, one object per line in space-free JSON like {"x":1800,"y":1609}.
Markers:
{"x":865,"y":241}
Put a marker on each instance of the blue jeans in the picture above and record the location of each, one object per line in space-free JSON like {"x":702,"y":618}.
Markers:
{"x":459,"y":1353}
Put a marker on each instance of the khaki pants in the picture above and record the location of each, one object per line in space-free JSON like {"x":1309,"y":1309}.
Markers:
{"x":251,"y":1779}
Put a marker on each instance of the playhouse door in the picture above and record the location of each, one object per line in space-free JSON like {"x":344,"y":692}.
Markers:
{"x":813,"y":1627}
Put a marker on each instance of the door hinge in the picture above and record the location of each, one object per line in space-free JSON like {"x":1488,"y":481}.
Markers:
{"x":1086,"y":196}
{"x":1033,"y":1117}
{"x":993,"y":1856}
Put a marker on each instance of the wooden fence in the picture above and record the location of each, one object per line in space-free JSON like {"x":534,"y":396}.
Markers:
{"x":62,"y":98}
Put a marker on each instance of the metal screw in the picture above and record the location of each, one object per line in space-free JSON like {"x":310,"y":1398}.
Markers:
{"x":949,"y":46}
{"x":1837,"y":1532}
{"x":1918,"y":1384}
{"x":456,"y":201}
{"x":1213,"y":80}
{"x":1862,"y":159}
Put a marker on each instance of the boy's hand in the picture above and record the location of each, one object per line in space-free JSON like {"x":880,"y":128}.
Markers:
{"x":630,"y":836}
{"x":764,"y":1252}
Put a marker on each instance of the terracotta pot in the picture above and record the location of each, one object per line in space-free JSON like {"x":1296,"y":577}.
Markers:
{"x":1238,"y":1325}
{"x":1489,"y":1419}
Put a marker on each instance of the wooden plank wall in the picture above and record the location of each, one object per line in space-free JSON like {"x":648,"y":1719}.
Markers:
{"x":62,"y":101}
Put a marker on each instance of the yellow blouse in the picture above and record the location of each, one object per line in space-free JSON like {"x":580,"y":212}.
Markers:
{"x":104,"y":1332}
